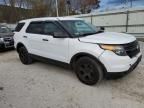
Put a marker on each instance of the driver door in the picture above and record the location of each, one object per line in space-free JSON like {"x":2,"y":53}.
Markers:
{"x":54,"y":48}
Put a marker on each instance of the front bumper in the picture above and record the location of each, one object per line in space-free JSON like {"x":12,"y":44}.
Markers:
{"x":112,"y":75}
{"x":116,"y":64}
{"x":6,"y":45}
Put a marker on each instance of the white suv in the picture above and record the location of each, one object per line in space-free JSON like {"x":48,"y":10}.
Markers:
{"x":91,"y":53}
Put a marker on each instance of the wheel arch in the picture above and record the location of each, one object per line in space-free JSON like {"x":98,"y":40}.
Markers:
{"x":82,"y":54}
{"x":19,"y":45}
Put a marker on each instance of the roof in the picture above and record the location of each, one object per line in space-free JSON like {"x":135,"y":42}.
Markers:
{"x":50,"y":18}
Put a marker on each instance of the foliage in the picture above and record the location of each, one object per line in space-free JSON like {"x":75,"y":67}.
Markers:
{"x":86,"y":5}
{"x":16,"y":10}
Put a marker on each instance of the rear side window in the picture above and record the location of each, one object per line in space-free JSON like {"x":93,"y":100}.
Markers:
{"x":35,"y":27}
{"x":19,"y":27}
{"x":50,"y":28}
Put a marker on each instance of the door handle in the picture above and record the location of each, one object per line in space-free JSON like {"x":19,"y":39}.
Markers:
{"x":24,"y":36}
{"x":45,"y":39}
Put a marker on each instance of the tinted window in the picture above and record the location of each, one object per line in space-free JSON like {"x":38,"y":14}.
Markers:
{"x":35,"y":27}
{"x":50,"y":28}
{"x":19,"y":27}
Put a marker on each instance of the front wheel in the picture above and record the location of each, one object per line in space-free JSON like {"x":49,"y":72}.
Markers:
{"x":88,"y":71}
{"x":24,"y":56}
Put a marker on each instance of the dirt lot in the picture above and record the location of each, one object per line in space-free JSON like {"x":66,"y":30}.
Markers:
{"x":43,"y":85}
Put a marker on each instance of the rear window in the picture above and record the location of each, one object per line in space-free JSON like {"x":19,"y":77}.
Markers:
{"x":19,"y":27}
{"x":35,"y":27}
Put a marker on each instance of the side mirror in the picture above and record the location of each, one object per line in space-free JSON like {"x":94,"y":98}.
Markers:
{"x":60,"y":35}
{"x":102,"y":29}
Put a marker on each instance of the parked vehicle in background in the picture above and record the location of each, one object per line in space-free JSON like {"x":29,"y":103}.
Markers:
{"x":93,"y":54}
{"x":6,"y":38}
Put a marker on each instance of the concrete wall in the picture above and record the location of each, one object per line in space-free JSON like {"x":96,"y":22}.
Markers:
{"x":129,"y":21}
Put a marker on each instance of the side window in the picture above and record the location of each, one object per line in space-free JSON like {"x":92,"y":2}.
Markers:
{"x":19,"y":27}
{"x":35,"y":27}
{"x":50,"y":28}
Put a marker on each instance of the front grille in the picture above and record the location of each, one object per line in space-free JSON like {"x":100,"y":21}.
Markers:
{"x":132,"y":49}
{"x":8,"y":41}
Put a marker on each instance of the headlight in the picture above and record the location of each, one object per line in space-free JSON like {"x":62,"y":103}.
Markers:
{"x":1,"y":40}
{"x":119,"y":50}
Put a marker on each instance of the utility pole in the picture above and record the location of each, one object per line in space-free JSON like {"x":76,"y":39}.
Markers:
{"x":68,"y":4}
{"x":67,"y":10}
{"x":57,"y":11}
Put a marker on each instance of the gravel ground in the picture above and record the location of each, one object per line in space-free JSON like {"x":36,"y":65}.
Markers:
{"x":43,"y":85}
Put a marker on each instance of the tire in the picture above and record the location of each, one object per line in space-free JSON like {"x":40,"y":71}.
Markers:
{"x":88,"y":71}
{"x":24,"y":56}
{"x":2,"y":49}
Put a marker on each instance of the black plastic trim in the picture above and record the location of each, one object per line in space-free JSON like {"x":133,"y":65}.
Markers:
{"x":78,"y":55}
{"x":50,"y":61}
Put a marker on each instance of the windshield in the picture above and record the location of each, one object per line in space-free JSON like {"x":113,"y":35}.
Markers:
{"x":79,"y":28}
{"x":4,"y":29}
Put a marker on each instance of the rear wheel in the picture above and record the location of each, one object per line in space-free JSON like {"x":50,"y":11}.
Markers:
{"x":88,"y":70}
{"x":24,"y":56}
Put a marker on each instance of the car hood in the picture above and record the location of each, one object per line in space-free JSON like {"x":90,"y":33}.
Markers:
{"x":108,"y":38}
{"x":6,"y":35}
